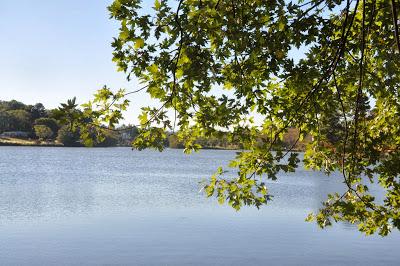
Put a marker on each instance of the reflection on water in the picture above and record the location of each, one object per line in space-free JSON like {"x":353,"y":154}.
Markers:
{"x":117,"y":206}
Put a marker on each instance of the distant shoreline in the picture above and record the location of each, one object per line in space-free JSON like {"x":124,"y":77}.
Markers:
{"x":10,"y":144}
{"x":17,"y":142}
{"x":35,"y":143}
{"x":21,"y":142}
{"x":29,"y":145}
{"x":27,"y":142}
{"x":58,"y":145}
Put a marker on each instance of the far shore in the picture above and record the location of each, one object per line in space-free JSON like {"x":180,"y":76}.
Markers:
{"x":37,"y":143}
{"x":6,"y":141}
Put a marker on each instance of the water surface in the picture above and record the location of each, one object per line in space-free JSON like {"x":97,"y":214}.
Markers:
{"x":115,"y":206}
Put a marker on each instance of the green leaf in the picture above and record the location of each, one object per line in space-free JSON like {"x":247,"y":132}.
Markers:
{"x":157,"y":5}
{"x":139,"y":43}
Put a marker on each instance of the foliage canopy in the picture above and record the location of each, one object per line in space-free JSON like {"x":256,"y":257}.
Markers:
{"x":50,"y":123}
{"x":218,"y":63}
{"x":43,"y":132}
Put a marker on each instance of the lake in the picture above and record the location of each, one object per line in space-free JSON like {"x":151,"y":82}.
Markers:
{"x":115,"y":206}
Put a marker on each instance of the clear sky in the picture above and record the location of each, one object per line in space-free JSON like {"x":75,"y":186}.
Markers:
{"x":53,"y":50}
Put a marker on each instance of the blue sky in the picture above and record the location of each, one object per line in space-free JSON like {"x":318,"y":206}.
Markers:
{"x":52,"y":50}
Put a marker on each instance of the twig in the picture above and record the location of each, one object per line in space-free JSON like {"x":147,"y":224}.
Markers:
{"x":395,"y":24}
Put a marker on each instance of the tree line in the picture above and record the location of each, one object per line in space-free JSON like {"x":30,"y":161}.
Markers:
{"x":36,"y":122}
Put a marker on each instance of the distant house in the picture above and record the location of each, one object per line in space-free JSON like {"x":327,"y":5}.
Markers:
{"x":15,"y":134}
{"x":126,"y":136}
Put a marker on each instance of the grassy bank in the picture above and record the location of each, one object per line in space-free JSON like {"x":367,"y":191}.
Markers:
{"x":6,"y":141}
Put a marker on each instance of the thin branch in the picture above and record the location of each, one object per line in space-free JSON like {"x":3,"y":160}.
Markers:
{"x":346,"y":130}
{"x":395,"y":24}
{"x":293,"y":145}
{"x":136,"y":91}
{"x":217,"y":4}
{"x":360,"y":88}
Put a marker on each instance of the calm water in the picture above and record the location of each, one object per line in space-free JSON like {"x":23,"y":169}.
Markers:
{"x":117,"y":206}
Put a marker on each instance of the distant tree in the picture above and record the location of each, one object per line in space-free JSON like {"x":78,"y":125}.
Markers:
{"x":50,"y":123}
{"x":290,"y":138}
{"x":6,"y":121}
{"x":174,"y":143}
{"x":332,"y":127}
{"x":53,"y":113}
{"x":43,"y":132}
{"x":21,"y":120}
{"x":38,"y":111}
{"x":3,"y":106}
{"x":12,"y":105}
{"x":109,"y":139}
{"x":67,"y":113}
{"x":68,"y":137}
